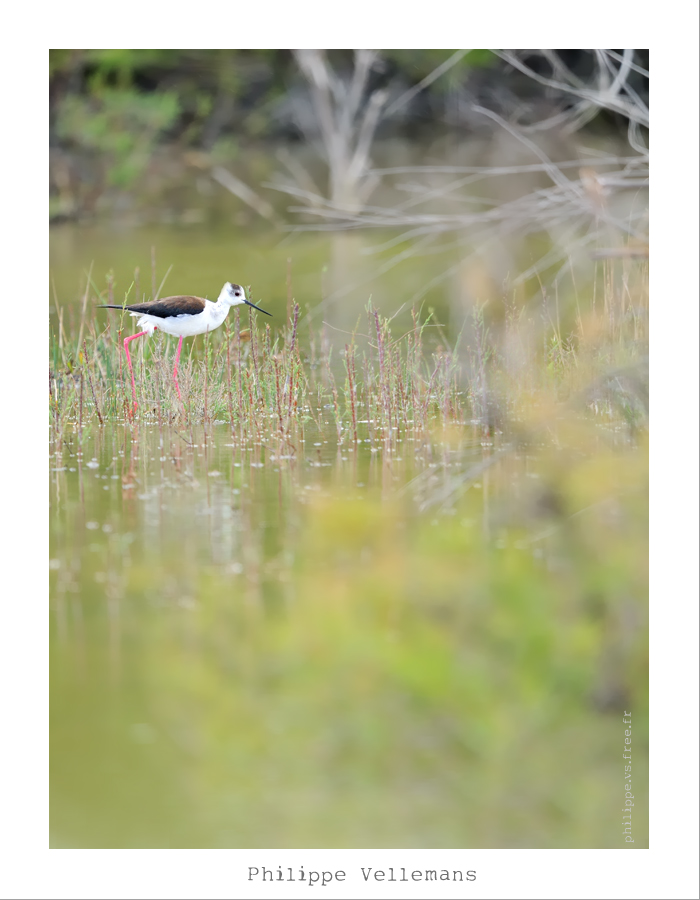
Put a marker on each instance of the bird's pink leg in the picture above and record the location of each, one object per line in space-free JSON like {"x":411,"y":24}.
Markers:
{"x":177,"y":360}
{"x":128,"y":359}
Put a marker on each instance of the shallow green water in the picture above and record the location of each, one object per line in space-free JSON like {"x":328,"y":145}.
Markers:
{"x":331,"y":275}
{"x":171,"y":555}
{"x":279,"y":649}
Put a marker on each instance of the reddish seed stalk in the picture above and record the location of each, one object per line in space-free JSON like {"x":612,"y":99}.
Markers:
{"x":354,"y":379}
{"x":297,"y":380}
{"x":228,"y":375}
{"x":310,"y":404}
{"x":415,"y":389}
{"x":80,"y":414}
{"x":278,"y":395}
{"x":334,"y":391}
{"x":350,"y":368}
{"x":159,"y":405}
{"x":446,"y":397}
{"x":368,"y":400}
{"x":428,"y":394}
{"x":383,"y":377}
{"x":312,"y":347}
{"x":293,"y":342}
{"x":92,"y":389}
{"x":401,"y":406}
{"x":325,"y":352}
{"x":481,"y":357}
{"x":206,"y":374}
{"x":256,"y":419}
{"x":57,"y":406}
{"x":338,"y":423}
{"x":120,"y":344}
{"x":455,"y":402}
{"x":397,"y":393}
{"x":292,"y":348}
{"x":240,"y":383}
{"x":254,"y":354}
{"x":418,"y":357}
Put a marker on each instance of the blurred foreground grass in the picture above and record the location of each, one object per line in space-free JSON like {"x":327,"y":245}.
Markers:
{"x":367,"y":675}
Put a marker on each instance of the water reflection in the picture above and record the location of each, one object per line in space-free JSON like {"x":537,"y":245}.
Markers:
{"x":167,"y":548}
{"x":240,"y":634}
{"x":160,"y":503}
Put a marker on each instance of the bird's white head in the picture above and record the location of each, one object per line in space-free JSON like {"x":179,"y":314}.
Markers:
{"x":234,"y":295}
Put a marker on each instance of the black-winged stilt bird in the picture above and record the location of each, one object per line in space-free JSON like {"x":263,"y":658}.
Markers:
{"x":182,"y":316}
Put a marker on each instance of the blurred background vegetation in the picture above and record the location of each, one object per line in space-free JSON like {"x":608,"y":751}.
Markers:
{"x":111,"y":111}
{"x":385,"y":582}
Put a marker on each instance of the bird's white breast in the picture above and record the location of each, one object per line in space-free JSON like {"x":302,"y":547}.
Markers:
{"x":186,"y":326}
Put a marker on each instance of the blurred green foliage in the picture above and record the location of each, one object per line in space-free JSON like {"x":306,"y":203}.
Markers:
{"x":199,"y":95}
{"x":415,"y":65}
{"x":120,"y":126}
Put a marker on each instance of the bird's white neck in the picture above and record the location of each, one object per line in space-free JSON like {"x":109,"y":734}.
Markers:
{"x":218,"y":311}
{"x":223,"y":296}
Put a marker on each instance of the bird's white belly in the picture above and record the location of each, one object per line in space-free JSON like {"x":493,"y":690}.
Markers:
{"x":180,"y":326}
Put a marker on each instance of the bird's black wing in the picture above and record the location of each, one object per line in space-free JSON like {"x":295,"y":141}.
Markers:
{"x":167,"y":308}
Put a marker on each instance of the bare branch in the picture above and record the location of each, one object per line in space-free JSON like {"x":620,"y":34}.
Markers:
{"x":601,"y":96}
{"x":364,"y":59}
{"x":440,"y":211}
{"x":244,"y":193}
{"x":633,"y":66}
{"x":549,"y":167}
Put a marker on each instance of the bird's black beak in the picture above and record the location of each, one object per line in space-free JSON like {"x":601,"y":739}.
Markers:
{"x":248,"y":303}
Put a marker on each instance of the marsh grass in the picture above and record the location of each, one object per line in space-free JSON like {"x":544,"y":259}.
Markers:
{"x":373,"y":384}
